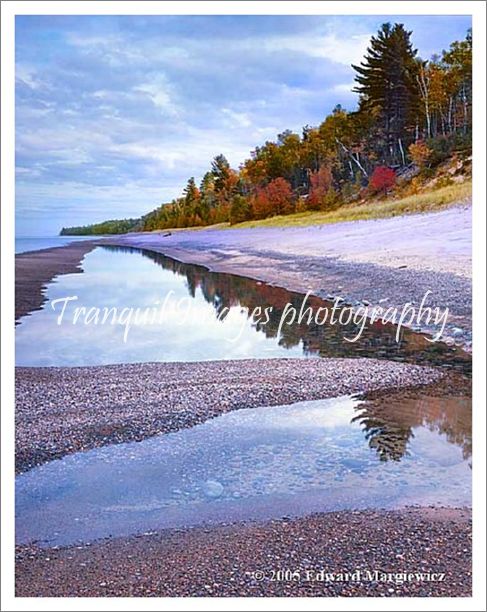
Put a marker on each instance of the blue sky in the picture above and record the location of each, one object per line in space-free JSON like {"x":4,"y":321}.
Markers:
{"x":113,"y":114}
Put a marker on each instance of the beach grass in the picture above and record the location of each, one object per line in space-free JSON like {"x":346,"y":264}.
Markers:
{"x":376,"y":209}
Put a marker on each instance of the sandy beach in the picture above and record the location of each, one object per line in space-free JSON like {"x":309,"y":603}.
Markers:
{"x":384,"y":261}
{"x":433,"y":241}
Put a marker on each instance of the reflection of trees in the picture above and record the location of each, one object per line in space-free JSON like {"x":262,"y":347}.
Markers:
{"x":378,"y":341}
{"x":388,"y":439}
{"x":388,"y":422}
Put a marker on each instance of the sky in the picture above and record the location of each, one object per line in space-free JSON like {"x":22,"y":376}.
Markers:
{"x":115,"y":113}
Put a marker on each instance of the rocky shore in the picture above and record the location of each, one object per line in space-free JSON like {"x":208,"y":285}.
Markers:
{"x":64,"y":410}
{"x":35,"y":269}
{"x":409,"y":553}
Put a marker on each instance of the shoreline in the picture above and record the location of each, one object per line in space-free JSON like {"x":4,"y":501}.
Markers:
{"x":35,"y":269}
{"x":346,"y":259}
{"x":64,"y":410}
{"x":244,"y":559}
{"x":310,"y":260}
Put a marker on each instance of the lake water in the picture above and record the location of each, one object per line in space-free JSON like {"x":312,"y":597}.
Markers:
{"x":255,"y":464}
{"x":35,"y":243}
{"x":261,"y":463}
{"x":205,"y":316}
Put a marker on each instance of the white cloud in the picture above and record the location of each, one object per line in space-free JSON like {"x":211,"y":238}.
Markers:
{"x":238,"y":119}
{"x":345,"y":50}
{"x":28,"y":76}
{"x":344,"y":88}
{"x":161,"y":94}
{"x":161,"y":153}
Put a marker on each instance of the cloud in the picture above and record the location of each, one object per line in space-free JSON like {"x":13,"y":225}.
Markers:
{"x":342,"y":50}
{"x":114,"y":113}
{"x":239,"y":119}
{"x":344,"y":88}
{"x":161,"y":94}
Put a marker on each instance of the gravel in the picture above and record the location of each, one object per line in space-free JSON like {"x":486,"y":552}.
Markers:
{"x":34,"y":269}
{"x":245,"y":559}
{"x":64,"y":410}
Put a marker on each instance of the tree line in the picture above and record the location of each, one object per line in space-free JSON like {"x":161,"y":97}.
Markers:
{"x":114,"y":226}
{"x":410,"y":111}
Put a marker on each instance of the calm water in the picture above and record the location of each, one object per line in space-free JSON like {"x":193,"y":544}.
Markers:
{"x":35,"y":243}
{"x":206,"y":316}
{"x":266,"y":462}
{"x":254,"y":464}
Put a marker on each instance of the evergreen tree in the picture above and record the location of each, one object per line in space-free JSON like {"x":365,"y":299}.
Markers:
{"x":388,"y":88}
{"x":220,"y":169}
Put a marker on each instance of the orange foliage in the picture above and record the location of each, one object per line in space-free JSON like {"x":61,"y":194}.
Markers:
{"x":276,"y":198}
{"x":320,"y":183}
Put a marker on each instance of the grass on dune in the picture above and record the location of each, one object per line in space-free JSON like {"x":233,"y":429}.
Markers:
{"x":421,"y":202}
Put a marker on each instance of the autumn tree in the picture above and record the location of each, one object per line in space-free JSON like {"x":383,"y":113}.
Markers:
{"x":458,"y":61}
{"x":410,"y":110}
{"x":239,"y":209}
{"x":276,"y":198}
{"x":420,"y":154}
{"x":382,"y":180}
{"x":321,"y":183}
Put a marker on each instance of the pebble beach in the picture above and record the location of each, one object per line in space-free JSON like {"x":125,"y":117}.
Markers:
{"x":283,"y":558}
{"x":61,"y":410}
{"x":65,"y":410}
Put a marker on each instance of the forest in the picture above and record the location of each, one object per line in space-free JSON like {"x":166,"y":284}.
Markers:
{"x":411,"y":113}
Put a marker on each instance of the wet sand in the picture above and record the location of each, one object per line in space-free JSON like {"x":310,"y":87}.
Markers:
{"x":35,"y":269}
{"x":245,"y":559}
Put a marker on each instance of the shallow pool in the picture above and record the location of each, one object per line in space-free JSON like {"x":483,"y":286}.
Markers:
{"x":188,"y":313}
{"x":254,"y":464}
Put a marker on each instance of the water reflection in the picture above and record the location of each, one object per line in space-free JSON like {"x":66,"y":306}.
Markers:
{"x":378,"y":341}
{"x":389,"y":422}
{"x":251,"y":464}
{"x":220,"y":326}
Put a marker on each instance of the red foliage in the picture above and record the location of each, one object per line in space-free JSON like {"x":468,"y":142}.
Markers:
{"x":276,"y":198}
{"x":382,"y":180}
{"x":320,"y":183}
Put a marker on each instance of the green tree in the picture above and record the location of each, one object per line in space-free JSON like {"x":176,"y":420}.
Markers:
{"x":388,"y":88}
{"x":239,"y":209}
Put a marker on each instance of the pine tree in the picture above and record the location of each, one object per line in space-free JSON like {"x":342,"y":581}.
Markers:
{"x":388,"y":88}
{"x":220,"y":169}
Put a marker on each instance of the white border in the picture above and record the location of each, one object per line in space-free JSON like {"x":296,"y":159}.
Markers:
{"x":392,"y":7}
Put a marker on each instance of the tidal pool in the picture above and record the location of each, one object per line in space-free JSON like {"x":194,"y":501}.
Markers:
{"x":258,"y":463}
{"x":217,"y":324}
